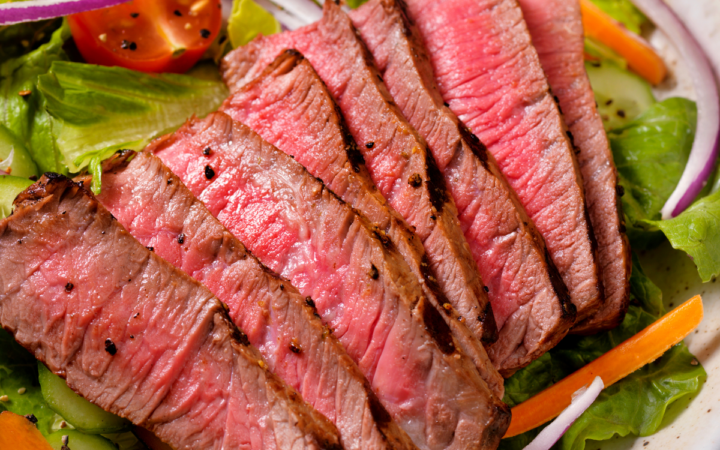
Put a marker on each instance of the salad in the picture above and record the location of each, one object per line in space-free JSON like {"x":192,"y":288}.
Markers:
{"x":59,"y":112}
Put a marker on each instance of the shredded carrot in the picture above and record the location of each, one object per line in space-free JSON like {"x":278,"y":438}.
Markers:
{"x":641,"y":349}
{"x":19,"y":433}
{"x":640,"y":56}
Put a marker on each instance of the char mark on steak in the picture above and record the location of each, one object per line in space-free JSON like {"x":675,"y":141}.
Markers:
{"x":359,"y":284}
{"x":278,"y":320}
{"x":503,"y":239}
{"x":188,"y":374}
{"x":396,"y":157}
{"x":557,"y":32}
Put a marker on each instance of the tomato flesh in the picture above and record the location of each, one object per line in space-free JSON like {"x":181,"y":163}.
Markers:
{"x":148,"y":35}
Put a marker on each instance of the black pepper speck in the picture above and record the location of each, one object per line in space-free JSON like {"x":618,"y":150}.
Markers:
{"x":181,"y":238}
{"x":177,"y":13}
{"x":209,"y":172}
{"x":69,"y":287}
{"x":134,"y":15}
{"x":205,"y":33}
{"x":370,"y":145}
{"x":110,"y":346}
{"x":207,"y":151}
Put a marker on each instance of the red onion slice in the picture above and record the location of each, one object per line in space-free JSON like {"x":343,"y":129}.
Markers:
{"x":582,"y":399}
{"x":705,"y":147}
{"x":32,"y":10}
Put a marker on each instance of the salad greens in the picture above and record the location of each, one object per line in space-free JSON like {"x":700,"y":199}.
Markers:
{"x":636,"y":404}
{"x":18,"y":369}
{"x":247,"y":20}
{"x":10,"y":187}
{"x":97,"y":110}
{"x":24,"y":116}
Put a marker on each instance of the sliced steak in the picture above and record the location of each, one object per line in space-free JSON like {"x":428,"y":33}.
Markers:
{"x":136,"y":336}
{"x":360,"y":285}
{"x":489,"y":73}
{"x":160,"y":211}
{"x":290,"y":107}
{"x":395,"y":155}
{"x":525,"y":289}
{"x":557,"y":33}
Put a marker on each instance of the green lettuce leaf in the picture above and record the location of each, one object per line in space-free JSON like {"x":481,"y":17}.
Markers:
{"x":18,"y":39}
{"x":25,"y":116}
{"x":635,"y":404}
{"x":96,"y":110}
{"x":18,"y":371}
{"x":697,"y":232}
{"x":248,"y":20}
{"x":355,"y":3}
{"x":624,"y":12}
{"x":10,"y":187}
{"x":650,"y":154}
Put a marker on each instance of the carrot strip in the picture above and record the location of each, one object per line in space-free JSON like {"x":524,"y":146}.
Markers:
{"x":19,"y":433}
{"x":641,"y":58}
{"x":643,"y":348}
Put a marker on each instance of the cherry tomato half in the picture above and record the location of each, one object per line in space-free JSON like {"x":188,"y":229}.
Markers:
{"x":148,"y":35}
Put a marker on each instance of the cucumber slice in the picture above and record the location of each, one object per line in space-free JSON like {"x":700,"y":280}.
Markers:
{"x":79,"y":441}
{"x":22,"y":164}
{"x":77,"y":411}
{"x":621,"y":95}
{"x":10,"y":187}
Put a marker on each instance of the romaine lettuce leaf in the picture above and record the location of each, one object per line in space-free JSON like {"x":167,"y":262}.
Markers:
{"x":97,"y":109}
{"x":247,"y":20}
{"x":18,"y":370}
{"x":25,"y":116}
{"x":696,"y":231}
{"x":635,"y":404}
{"x":650,"y":154}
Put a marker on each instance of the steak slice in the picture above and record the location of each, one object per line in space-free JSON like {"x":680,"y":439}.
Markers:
{"x":395,"y":155}
{"x":136,"y":336}
{"x":360,"y":285}
{"x":158,"y":210}
{"x":530,"y":302}
{"x":557,"y":33}
{"x":290,"y":107}
{"x":489,"y":73}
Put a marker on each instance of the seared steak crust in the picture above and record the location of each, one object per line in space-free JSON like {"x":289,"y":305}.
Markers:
{"x":358,"y":282}
{"x":160,"y":211}
{"x":557,"y":33}
{"x":508,"y":249}
{"x":489,"y":73}
{"x":136,"y":336}
{"x":396,"y":156}
{"x":290,"y":107}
